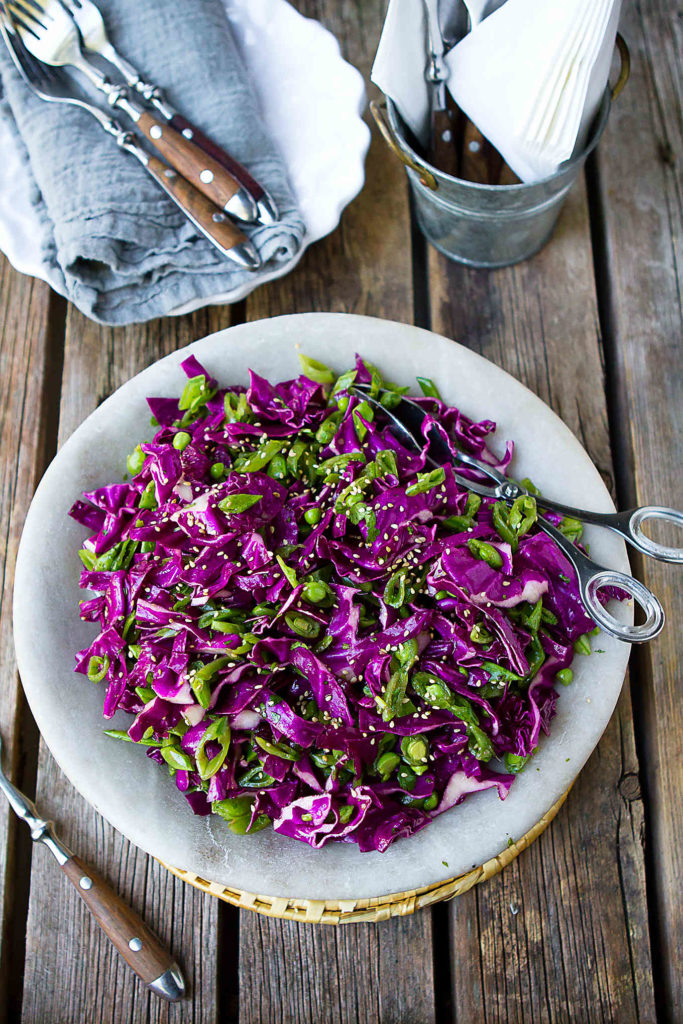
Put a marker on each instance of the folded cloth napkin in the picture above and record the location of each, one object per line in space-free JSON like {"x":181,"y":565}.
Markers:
{"x":112,"y":242}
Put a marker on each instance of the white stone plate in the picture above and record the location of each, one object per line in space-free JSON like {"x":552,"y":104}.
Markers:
{"x":312,"y":102}
{"x":133,"y":792}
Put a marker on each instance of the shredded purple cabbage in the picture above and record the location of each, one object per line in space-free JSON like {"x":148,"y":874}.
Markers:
{"x":310,"y":628}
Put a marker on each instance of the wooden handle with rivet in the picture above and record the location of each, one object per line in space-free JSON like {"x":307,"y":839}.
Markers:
{"x":199,"y":168}
{"x":443,"y":155}
{"x":124,"y":927}
{"x":481,"y":161}
{"x":211,"y":220}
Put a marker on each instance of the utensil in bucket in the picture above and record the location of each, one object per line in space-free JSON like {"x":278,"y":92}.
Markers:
{"x":490,"y":225}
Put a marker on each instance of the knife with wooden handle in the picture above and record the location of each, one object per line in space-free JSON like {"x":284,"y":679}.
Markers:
{"x":205,"y":173}
{"x":211,"y":221}
{"x":139,"y":947}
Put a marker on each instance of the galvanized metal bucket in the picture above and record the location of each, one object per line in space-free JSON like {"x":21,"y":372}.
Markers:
{"x":489,"y":225}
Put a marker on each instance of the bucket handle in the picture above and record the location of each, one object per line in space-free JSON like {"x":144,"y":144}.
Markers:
{"x":625,"y":70}
{"x":426,"y":177}
{"x":379,"y":114}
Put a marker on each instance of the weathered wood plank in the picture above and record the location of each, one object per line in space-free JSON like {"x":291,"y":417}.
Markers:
{"x":562,"y":934}
{"x":73,"y":974}
{"x":362,"y":973}
{"x":641,"y":254}
{"x":355,"y":973}
{"x":28,"y":405}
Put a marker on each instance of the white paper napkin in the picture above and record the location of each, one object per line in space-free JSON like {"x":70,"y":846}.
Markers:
{"x":531,"y":76}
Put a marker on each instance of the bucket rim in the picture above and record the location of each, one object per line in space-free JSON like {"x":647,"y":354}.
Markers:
{"x":600,"y":123}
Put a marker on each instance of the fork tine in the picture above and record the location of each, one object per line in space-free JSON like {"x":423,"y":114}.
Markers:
{"x":20,"y":23}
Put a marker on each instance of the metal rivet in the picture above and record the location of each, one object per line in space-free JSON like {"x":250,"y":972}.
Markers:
{"x":135,"y":944}
{"x":188,"y":133}
{"x":447,"y":135}
{"x":85,"y":882}
{"x":475,"y":146}
{"x":155,"y":131}
{"x":218,"y":217}
{"x":206,"y":176}
{"x":168,"y":173}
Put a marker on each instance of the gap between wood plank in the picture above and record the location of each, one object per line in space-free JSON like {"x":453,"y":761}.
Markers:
{"x":622,"y":455}
{"x":24,"y":766}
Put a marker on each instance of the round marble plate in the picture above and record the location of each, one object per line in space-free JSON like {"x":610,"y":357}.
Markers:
{"x":139,"y":798}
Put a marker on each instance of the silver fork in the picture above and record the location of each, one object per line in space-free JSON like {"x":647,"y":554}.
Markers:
{"x":49,"y":33}
{"x":91,"y":25}
{"x":51,"y":86}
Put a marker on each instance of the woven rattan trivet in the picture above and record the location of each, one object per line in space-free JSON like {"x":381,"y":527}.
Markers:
{"x":380,"y":908}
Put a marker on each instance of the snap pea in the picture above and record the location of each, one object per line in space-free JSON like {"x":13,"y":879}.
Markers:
{"x":583,"y":644}
{"x":515,"y":762}
{"x":282,"y":750}
{"x":181,"y":440}
{"x":195,"y":394}
{"x":571,"y":528}
{"x":200,"y":681}
{"x":535,"y":656}
{"x":98,"y":668}
{"x":315,"y":591}
{"x":391,"y":703}
{"x":121,"y":734}
{"x":236,"y":408}
{"x":327,"y":429}
{"x":386,"y":764}
{"x":395,"y":590}
{"x":287,"y":572}
{"x":406,"y":777}
{"x":301,"y":625}
{"x":479,"y":634}
{"x":255,"y":778}
{"x":242,"y":826}
{"x":363,"y":411}
{"x":256,"y":460}
{"x":315,"y":371}
{"x":427,"y":481}
{"x":312,"y":516}
{"x":294,"y":454}
{"x":486,"y":552}
{"x":565,"y":676}
{"x":148,"y":498}
{"x":177,"y":759}
{"x":238,"y":503}
{"x":431,"y":802}
{"x":233,"y":806}
{"x":428,"y":387}
{"x":135,"y":460}
{"x":277,"y":469}
{"x":343,"y":382}
{"x":415,"y":749}
{"x":217,"y":471}
{"x":218,"y":731}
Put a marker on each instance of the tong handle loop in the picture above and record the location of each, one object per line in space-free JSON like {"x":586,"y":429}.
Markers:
{"x":640,"y":540}
{"x":654,"y":613}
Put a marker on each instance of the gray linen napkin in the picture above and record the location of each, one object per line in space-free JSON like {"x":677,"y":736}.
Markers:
{"x":112,"y":242}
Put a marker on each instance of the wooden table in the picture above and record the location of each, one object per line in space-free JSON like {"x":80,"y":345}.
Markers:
{"x":584,"y":927}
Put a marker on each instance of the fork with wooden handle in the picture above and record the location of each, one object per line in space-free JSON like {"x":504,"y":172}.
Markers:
{"x":93,"y":32}
{"x":49,"y":33}
{"x":139,"y":947}
{"x":49,"y":85}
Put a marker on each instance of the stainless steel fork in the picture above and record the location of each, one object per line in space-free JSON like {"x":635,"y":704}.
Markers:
{"x":50,"y":34}
{"x":93,"y":31}
{"x":52,"y":86}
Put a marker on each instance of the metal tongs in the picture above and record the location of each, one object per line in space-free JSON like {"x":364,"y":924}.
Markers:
{"x":407,"y":420}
